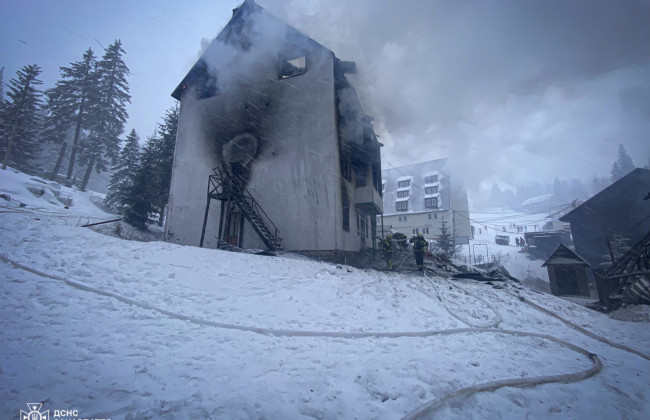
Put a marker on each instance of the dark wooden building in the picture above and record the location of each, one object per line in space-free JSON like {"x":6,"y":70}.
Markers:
{"x":617,"y":211}
{"x":567,"y":272}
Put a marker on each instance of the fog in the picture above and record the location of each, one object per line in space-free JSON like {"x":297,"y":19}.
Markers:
{"x":511,"y":91}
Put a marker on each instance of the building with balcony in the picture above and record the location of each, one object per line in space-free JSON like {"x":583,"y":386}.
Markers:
{"x":417,"y":198}
{"x":273,"y":148}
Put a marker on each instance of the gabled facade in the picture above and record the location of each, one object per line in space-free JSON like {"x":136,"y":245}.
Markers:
{"x":272,"y":141}
{"x":417,"y":197}
{"x":617,"y":211}
{"x":567,"y":272}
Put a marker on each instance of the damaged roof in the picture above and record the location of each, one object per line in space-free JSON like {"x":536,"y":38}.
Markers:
{"x":231,"y":33}
{"x":626,"y":193}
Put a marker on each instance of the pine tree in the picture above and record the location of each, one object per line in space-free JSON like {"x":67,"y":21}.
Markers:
{"x":445,"y":241}
{"x":125,"y":171}
{"x":69,"y":105}
{"x":164,"y":150}
{"x":138,"y":200}
{"x":622,"y":166}
{"x":20,"y":121}
{"x":102,"y":145}
{"x":598,"y":184}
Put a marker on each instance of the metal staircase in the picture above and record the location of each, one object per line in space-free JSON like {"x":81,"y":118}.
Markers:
{"x":224,"y":185}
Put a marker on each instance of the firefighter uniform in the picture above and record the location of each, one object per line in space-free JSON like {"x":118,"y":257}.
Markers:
{"x":388,"y":251}
{"x":419,"y":248}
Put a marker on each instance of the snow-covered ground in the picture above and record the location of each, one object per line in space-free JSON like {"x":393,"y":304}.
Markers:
{"x":488,"y":224}
{"x":128,"y":330}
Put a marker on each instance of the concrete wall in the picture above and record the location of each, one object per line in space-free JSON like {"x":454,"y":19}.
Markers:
{"x":194,"y":158}
{"x":294,"y":174}
{"x":413,"y":221}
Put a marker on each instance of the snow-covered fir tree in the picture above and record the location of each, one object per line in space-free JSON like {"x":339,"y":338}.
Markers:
{"x":445,"y":240}
{"x":622,"y":166}
{"x":69,"y":107}
{"x":164,"y":150}
{"x":101,"y":147}
{"x":138,"y":200}
{"x":20,"y":121}
{"x":125,"y":171}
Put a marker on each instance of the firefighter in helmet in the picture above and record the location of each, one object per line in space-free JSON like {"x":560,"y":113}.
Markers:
{"x":419,"y":248}
{"x":387,"y":246}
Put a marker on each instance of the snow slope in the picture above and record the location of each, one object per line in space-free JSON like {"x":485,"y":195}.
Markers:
{"x":489,"y":224}
{"x":128,"y":330}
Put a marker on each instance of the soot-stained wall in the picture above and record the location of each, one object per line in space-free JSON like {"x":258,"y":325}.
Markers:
{"x":237,"y":106}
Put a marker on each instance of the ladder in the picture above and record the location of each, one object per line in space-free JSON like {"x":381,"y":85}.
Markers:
{"x":224,"y":185}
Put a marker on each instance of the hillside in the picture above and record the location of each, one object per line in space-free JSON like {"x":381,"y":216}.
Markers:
{"x":127,"y":330}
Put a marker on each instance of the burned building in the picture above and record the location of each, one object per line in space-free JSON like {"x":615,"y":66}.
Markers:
{"x":619,"y":212}
{"x":273,"y":148}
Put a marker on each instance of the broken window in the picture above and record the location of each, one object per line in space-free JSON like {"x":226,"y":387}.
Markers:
{"x":430,"y":203}
{"x":402,"y":205}
{"x":294,"y":67}
{"x":207,"y":88}
{"x":403,"y":184}
{"x":346,"y":168}
{"x":360,"y":175}
{"x":376,"y":175}
{"x":345,"y":204}
{"x":402,"y":194}
{"x":430,"y":190}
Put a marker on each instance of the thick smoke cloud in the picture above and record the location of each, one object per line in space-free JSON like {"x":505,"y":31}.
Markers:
{"x":511,"y":91}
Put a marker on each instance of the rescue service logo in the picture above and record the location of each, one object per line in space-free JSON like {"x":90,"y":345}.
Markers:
{"x":34,"y":412}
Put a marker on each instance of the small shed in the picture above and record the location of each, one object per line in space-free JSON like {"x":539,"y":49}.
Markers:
{"x":567,"y":272}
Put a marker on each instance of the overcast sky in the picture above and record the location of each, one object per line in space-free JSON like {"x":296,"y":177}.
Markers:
{"x":511,"y":91}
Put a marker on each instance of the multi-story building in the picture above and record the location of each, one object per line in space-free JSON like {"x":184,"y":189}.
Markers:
{"x":417,"y":198}
{"x":273,"y":148}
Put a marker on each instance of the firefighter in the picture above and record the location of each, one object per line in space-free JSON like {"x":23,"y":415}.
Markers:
{"x":388,"y":250}
{"x":419,"y":248}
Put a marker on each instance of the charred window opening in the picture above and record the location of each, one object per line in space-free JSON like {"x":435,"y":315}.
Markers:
{"x":376,"y":176}
{"x":207,"y":88}
{"x":202,"y":82}
{"x":345,"y":204}
{"x":294,"y":67}
{"x":402,"y":206}
{"x":346,"y":168}
{"x":360,"y":174}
